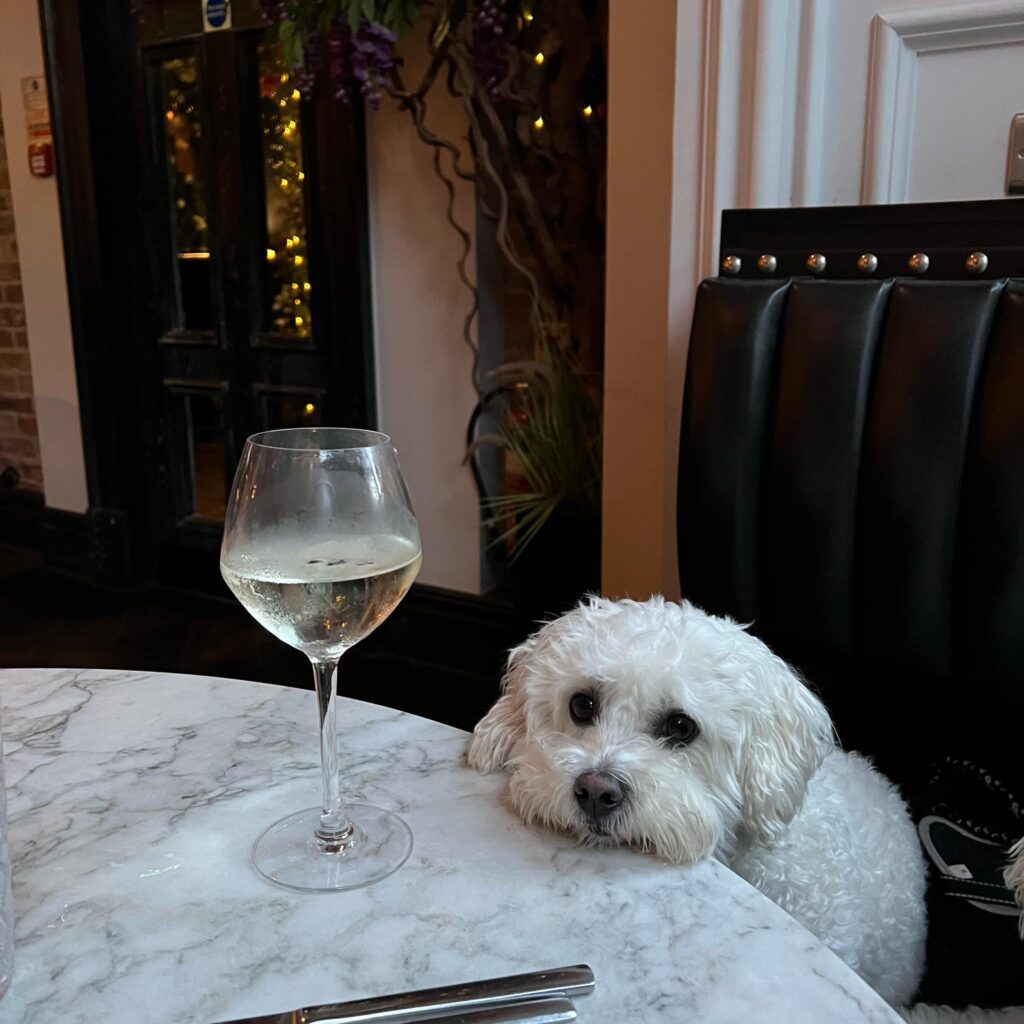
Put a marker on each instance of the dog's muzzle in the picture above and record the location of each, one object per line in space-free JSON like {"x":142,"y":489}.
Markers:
{"x":598,"y":794}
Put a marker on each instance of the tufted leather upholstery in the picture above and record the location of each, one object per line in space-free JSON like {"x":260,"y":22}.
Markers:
{"x":851,"y":481}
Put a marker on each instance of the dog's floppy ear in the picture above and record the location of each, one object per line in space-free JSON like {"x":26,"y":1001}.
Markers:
{"x":789,"y":732}
{"x":1014,"y":877}
{"x":504,"y":725}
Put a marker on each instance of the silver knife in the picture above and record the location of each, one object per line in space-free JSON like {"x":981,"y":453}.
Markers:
{"x":530,"y":1011}
{"x":449,"y":1000}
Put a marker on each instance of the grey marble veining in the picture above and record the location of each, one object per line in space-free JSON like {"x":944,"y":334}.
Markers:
{"x":134,"y":799}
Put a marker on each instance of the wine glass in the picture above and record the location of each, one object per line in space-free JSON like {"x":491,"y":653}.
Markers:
{"x":320,"y":545}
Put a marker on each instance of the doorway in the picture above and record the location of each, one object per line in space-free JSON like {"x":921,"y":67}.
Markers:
{"x":230,"y":215}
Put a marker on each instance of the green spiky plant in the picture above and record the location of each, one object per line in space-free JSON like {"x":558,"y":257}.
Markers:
{"x":549,"y":429}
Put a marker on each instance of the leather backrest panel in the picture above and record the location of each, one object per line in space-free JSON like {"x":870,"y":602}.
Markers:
{"x":912,"y":467}
{"x":728,"y":383}
{"x":990,"y":554}
{"x":852,"y":481}
{"x":830,"y":334}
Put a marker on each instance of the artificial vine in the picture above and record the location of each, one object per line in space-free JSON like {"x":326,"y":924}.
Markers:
{"x":535,"y":109}
{"x":355,"y":38}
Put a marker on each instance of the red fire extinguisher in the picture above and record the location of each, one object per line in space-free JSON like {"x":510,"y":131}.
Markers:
{"x":40,"y":151}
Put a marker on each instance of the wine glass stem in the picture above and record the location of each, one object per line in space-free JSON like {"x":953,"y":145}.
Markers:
{"x":335,"y":831}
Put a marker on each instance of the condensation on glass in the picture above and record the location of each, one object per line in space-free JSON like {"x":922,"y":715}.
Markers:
{"x":183,"y":136}
{"x":287,"y":286}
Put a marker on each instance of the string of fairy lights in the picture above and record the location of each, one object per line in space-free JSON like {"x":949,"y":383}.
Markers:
{"x":290,"y":289}
{"x":286,"y":254}
{"x":538,"y":58}
{"x":287,"y":257}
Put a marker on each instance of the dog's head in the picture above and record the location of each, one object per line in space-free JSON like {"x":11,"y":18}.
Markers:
{"x":654,"y":724}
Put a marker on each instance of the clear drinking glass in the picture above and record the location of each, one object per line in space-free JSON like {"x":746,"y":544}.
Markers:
{"x":320,"y":545}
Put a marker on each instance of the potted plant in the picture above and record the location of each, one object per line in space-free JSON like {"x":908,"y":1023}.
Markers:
{"x":544,"y":524}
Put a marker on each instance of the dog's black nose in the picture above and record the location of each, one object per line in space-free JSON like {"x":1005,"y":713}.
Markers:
{"x":598,"y":794}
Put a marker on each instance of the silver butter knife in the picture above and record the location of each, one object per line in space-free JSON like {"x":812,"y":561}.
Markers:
{"x":448,"y":1001}
{"x":531,"y":1011}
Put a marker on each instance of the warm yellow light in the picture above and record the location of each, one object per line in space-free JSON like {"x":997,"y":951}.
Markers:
{"x":295,"y":286}
{"x":300,"y":176}
{"x":193,"y":255}
{"x":299,"y":321}
{"x":539,"y":123}
{"x":310,"y":408}
{"x":538,"y":58}
{"x":284,"y":183}
{"x":306,"y":286}
{"x":283,"y":104}
{"x":284,"y":77}
{"x":527,"y":17}
{"x":588,"y":110}
{"x":271,"y":254}
{"x":296,"y":95}
{"x":289,"y":244}
{"x":296,"y":240}
{"x":298,"y":261}
{"x":169,"y":115}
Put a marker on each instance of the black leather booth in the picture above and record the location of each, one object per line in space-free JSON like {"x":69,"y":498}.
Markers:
{"x":851,"y":481}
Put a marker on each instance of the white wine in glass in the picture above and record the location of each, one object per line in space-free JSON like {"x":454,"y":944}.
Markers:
{"x":320,"y":546}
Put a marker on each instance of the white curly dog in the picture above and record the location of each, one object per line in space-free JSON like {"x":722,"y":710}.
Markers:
{"x":657,"y":725}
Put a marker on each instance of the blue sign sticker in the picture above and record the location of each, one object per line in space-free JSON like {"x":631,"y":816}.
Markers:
{"x":217,"y":14}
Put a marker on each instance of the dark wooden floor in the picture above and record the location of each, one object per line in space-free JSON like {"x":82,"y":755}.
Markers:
{"x":440,"y":654}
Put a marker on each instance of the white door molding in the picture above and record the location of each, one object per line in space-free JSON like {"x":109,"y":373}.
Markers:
{"x":764,"y":110}
{"x":898,"y":40}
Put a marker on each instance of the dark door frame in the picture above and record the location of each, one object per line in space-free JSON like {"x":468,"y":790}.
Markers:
{"x":97,"y":112}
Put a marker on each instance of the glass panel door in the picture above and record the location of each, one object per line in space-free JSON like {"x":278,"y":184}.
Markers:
{"x":182,"y":101}
{"x":255,"y":227}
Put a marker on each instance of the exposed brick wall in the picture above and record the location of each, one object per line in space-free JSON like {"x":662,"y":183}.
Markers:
{"x":19,"y":439}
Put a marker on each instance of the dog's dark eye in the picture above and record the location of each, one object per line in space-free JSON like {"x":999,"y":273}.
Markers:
{"x":679,"y":729}
{"x":582,"y":708}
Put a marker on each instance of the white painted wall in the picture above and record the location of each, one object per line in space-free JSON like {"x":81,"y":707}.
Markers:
{"x":425,"y":394}
{"x":944,"y":81}
{"x":654,"y":166}
{"x":41,"y":254}
{"x":641,"y":61}
{"x":976,"y":93}
{"x":717,"y":104}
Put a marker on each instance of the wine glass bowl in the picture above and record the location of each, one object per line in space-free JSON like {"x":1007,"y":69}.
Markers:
{"x":320,"y":545}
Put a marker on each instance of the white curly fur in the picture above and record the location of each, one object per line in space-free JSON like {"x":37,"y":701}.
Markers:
{"x":1014,"y":876}
{"x":762,"y":787}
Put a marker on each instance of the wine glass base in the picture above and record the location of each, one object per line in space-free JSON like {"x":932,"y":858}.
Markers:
{"x":287,"y":853}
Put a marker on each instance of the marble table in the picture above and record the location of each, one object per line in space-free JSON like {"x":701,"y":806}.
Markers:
{"x":134,"y":799}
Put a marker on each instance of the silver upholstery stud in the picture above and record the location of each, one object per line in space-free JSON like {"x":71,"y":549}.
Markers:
{"x":918,"y":263}
{"x":767,"y":263}
{"x":977,"y":263}
{"x":731,"y":265}
{"x":867,"y":262}
{"x":816,"y":263}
